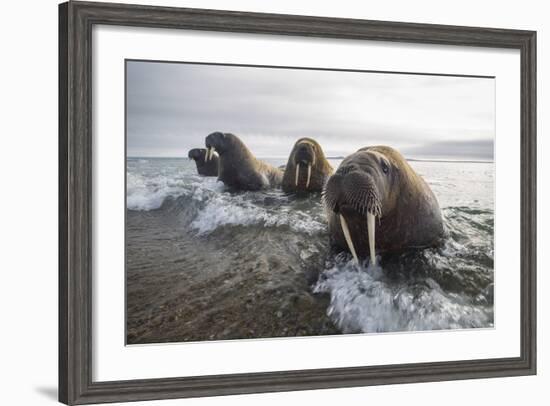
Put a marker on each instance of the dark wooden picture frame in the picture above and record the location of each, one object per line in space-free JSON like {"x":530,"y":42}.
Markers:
{"x":76,"y":20}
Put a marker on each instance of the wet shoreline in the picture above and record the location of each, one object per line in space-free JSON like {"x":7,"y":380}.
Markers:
{"x":225,"y":295}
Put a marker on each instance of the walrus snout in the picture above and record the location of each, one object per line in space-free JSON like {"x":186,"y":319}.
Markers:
{"x":304,"y":155}
{"x":352,"y":195}
{"x":354,"y":190}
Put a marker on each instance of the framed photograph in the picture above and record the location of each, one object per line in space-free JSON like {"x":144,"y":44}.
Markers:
{"x":258,"y":202}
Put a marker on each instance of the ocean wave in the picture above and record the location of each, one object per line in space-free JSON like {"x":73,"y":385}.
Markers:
{"x":146,"y":193}
{"x":363,"y":300}
{"x":213,"y":206}
{"x":236,"y":210}
{"x":447,"y":287}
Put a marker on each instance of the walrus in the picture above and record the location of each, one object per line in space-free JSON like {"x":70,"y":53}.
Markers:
{"x":205,"y":167}
{"x":377,"y":185}
{"x":237,"y":167}
{"x":307,"y":168}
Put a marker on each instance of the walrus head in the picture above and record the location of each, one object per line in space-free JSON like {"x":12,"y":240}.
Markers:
{"x":219,"y":142}
{"x":307,"y":168}
{"x":305,"y":151}
{"x":359,"y":192}
{"x":197,"y":154}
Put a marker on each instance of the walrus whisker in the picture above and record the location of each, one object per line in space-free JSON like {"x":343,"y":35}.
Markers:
{"x":329,"y":203}
{"x":347,"y":236}
{"x":363,"y":207}
{"x":308,"y":175}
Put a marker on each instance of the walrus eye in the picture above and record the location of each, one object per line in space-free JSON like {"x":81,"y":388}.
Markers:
{"x":385,"y":168}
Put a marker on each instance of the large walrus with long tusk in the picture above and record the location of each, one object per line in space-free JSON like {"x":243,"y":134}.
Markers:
{"x":204,"y":167}
{"x":307,"y":168}
{"x":237,"y":167}
{"x":375,"y":201}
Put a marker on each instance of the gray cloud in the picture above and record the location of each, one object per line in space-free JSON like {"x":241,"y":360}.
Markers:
{"x":171,"y":107}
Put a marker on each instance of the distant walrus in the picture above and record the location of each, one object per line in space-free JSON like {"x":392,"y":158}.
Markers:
{"x":307,"y":168}
{"x":204,"y":167}
{"x":238,"y":168}
{"x":377,"y":185}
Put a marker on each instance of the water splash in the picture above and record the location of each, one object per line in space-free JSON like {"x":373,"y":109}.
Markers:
{"x":397,"y":297}
{"x":230,"y":210}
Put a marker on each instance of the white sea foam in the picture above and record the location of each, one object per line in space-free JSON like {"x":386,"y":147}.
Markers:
{"x":361,"y":300}
{"x":149,"y":192}
{"x":225,"y":209}
{"x":140,"y":200}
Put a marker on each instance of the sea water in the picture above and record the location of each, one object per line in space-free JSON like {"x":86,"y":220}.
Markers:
{"x":206,"y":263}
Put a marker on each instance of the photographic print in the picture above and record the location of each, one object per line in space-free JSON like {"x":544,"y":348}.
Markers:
{"x":266,"y":202}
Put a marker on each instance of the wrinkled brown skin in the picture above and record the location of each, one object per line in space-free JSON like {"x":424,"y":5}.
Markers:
{"x":209,"y":168}
{"x":305,"y":151}
{"x":410,"y":214}
{"x":238,"y":168}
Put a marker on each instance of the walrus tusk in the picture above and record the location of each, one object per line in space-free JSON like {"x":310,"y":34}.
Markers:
{"x":297,"y":174}
{"x":308,"y":175}
{"x":206,"y":154}
{"x":370,"y":226}
{"x":347,"y":235}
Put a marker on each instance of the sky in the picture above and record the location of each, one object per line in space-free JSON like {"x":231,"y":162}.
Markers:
{"x":172,"y":107}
